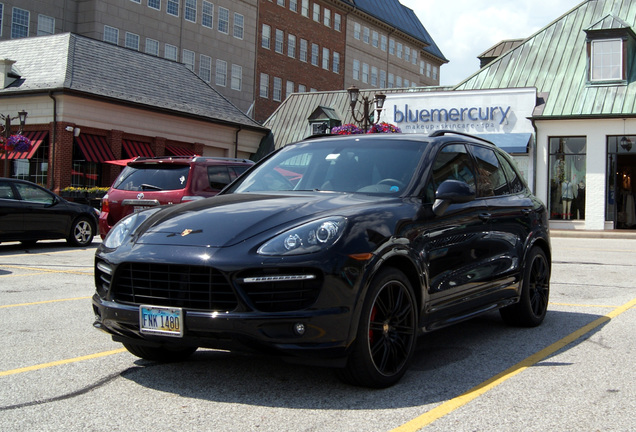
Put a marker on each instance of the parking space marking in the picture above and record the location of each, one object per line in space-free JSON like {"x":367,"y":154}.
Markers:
{"x":21,"y":255}
{"x":42,"y":270}
{"x":584,"y":305}
{"x":61,"y":362}
{"x":43,"y":302}
{"x":472,"y":394}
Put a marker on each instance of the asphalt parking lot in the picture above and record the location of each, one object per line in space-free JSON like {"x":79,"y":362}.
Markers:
{"x":574,"y":373}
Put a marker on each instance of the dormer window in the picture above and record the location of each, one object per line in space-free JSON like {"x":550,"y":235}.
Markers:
{"x":610,"y":49}
{"x":606,"y":60}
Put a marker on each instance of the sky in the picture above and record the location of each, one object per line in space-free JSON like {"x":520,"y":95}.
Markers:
{"x":464,"y":29}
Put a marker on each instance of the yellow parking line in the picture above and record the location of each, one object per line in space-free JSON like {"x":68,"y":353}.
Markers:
{"x":44,"y":253}
{"x":584,"y":305}
{"x":61,"y":362}
{"x":43,"y":302}
{"x":472,"y":394}
{"x":43,"y":270}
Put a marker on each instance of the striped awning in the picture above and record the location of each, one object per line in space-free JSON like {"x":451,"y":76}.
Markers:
{"x":36,"y":139}
{"x":178,"y":151}
{"x":137,"y":148}
{"x":94,"y":148}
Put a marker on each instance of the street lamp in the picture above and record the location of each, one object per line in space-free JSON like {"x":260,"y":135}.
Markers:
{"x":378,"y":101}
{"x":22,"y":115}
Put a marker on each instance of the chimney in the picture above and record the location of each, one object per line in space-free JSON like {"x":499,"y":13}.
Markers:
{"x":6,"y":76}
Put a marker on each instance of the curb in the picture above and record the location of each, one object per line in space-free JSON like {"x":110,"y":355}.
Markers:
{"x":607,"y":234}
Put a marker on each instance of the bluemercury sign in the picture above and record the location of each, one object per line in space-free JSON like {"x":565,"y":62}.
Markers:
{"x":469,"y":111}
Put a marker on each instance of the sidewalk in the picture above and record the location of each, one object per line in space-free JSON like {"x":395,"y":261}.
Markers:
{"x":615,"y":234}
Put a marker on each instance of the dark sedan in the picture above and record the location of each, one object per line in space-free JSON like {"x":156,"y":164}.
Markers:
{"x":29,"y":213}
{"x":336,"y":251}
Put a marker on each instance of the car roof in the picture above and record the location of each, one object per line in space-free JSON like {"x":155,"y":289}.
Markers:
{"x":186,"y":160}
{"x":440,"y":136}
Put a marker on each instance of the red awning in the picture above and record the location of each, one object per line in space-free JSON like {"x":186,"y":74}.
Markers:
{"x":179,"y":151}
{"x":94,"y":148}
{"x":36,"y":138}
{"x":137,"y":148}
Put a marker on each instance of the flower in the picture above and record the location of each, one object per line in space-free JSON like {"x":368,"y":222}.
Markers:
{"x":384,"y":128}
{"x":346,"y":129}
{"x":15,"y":143}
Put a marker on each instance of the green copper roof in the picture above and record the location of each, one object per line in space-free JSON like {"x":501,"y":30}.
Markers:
{"x":555,"y":61}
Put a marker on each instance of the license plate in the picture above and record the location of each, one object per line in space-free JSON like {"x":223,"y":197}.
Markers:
{"x":161,"y":320}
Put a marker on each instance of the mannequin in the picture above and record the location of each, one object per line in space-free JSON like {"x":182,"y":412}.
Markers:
{"x":567,"y":196}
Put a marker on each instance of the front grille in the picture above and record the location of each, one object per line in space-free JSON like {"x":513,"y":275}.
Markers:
{"x":192,"y":287}
{"x":281,"y":291}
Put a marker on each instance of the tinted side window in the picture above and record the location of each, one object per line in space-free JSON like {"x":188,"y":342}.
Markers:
{"x":218,"y":176}
{"x":6,"y":191}
{"x":452,"y":163}
{"x":33,"y":194}
{"x":514,"y":179}
{"x":492,"y":181}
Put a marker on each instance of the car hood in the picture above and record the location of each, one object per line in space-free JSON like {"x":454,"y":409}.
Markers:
{"x":226,"y":220}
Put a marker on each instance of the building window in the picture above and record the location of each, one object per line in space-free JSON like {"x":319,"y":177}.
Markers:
{"x":278,"y":89}
{"x":131,"y":41}
{"x":289,"y":89}
{"x":191,"y":10}
{"x":136,"y":1}
{"x":399,"y":50}
{"x":391,"y":47}
{"x":154,"y":4}
{"x":19,"y":23}
{"x":398,"y":81}
{"x":382,"y":78}
{"x":46,"y":25}
{"x":152,"y":47}
{"x":237,"y":77}
{"x":1,"y":15}
{"x":375,"y":39}
{"x":567,"y":173}
{"x":291,"y":46}
{"x":207,"y":14}
{"x":383,"y":41}
{"x":374,"y":76}
{"x":170,"y":52}
{"x":223,"y":25}
{"x":326,"y":19}
{"x":205,"y":68}
{"x":173,"y":8}
{"x":280,"y":3}
{"x":314,"y":54}
{"x":111,"y":35}
{"x":407,"y":54}
{"x":414,"y":57}
{"x":435,"y":73}
{"x":365,"y":35}
{"x":365,"y":73}
{"x":337,"y":22}
{"x":266,"y":36}
{"x":356,"y":31}
{"x":303,"y":50}
{"x":606,"y":60}
{"x":356,"y":70}
{"x":316,"y":12}
{"x":188,"y":59}
{"x":302,"y":88}
{"x":293,"y":5}
{"x":335,"y":65}
{"x":279,"y":41}
{"x":305,"y":8}
{"x":325,"y":58}
{"x":391,"y":80}
{"x":428,"y":70}
{"x":221,"y":73}
{"x":264,"y":88}
{"x":239,"y":22}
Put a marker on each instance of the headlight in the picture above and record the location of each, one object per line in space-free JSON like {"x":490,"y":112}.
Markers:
{"x":120,"y":231}
{"x":308,"y":238}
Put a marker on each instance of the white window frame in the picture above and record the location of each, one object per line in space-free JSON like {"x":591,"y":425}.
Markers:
{"x":606,"y":60}
{"x":154,"y":4}
{"x":188,"y":58}
{"x":131,"y":41}
{"x":46,"y":25}
{"x":316,"y":12}
{"x":223,"y":21}
{"x":304,"y":46}
{"x":111,"y":35}
{"x":289,"y":88}
{"x":205,"y":68}
{"x":172,"y":7}
{"x":239,"y":26}
{"x":325,"y":58}
{"x":279,"y":42}
{"x":264,"y":86}
{"x":315,"y":54}
{"x":356,"y":70}
{"x":237,"y":77}
{"x":20,"y":21}
{"x":266,"y":36}
{"x":207,"y":14}
{"x":291,"y":46}
{"x":171,"y":52}
{"x":190,"y":12}
{"x":304,"y":10}
{"x":152,"y":47}
{"x":277,"y":93}
{"x":220,"y":75}
{"x":335,"y":64}
{"x":326,"y":17}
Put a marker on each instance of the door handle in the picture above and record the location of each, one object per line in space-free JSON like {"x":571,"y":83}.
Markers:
{"x":485,"y":216}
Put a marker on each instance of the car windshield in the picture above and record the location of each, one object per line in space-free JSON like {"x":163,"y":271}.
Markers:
{"x":149,"y":177}
{"x":351,"y":165}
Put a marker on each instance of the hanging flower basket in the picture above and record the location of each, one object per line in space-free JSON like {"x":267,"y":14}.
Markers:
{"x":346,"y":129}
{"x":384,"y":128}
{"x":15,"y":143}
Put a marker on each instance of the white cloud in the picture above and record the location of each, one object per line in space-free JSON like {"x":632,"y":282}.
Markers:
{"x":468,"y":27}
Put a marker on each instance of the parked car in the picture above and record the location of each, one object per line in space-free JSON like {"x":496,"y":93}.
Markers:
{"x":29,"y":212}
{"x":149,"y":182}
{"x":335,"y":250}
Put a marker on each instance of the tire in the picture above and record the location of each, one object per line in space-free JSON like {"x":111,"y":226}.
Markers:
{"x":82,"y":232}
{"x":163,"y":355}
{"x":535,"y":293}
{"x":386,"y":336}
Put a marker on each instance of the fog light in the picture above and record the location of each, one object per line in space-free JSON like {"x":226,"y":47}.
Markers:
{"x":299,"y":328}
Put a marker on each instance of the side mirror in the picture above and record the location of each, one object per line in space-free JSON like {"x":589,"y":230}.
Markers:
{"x":452,"y":192}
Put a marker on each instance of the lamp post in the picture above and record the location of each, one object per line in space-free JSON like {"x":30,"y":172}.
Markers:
{"x":22,"y":115}
{"x":378,"y":102}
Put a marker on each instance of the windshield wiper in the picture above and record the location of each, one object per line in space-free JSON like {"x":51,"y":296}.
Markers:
{"x":145,"y":186}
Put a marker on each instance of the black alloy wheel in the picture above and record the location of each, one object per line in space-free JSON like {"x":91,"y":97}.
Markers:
{"x":535,"y":293}
{"x":386,"y":334}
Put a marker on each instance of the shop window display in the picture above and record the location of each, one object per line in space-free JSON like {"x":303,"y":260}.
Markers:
{"x":567,"y":178}
{"x":621,"y":183}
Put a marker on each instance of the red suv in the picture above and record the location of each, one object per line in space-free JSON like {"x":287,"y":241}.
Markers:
{"x":147,"y":182}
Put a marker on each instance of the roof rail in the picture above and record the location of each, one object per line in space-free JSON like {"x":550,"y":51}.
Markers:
{"x":445,"y":132}
{"x":143,"y":158}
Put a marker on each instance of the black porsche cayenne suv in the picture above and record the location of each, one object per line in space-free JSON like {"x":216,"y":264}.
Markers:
{"x":337,"y":250}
